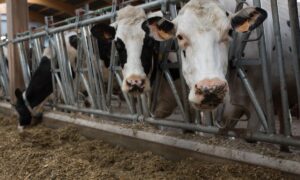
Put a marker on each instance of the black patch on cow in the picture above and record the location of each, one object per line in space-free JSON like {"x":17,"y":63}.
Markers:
{"x":104,"y":51}
{"x":73,"y":41}
{"x":120,"y":46}
{"x":103,"y":32}
{"x":227,"y":13}
{"x":288,"y":23}
{"x":175,"y":73}
{"x":150,"y":48}
{"x":290,"y":49}
{"x":243,"y":54}
{"x":24,"y":113}
{"x":39,"y":88}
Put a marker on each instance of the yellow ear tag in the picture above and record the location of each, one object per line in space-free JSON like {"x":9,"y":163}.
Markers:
{"x":244,"y":27}
{"x":164,"y":35}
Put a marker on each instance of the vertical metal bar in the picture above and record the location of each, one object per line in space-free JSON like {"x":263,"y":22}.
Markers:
{"x":24,"y":64}
{"x":37,"y":50}
{"x":4,"y":72}
{"x":111,"y":74}
{"x":95,"y":69}
{"x":65,"y":68}
{"x":266,"y":76}
{"x":91,"y":73}
{"x":197,"y":117}
{"x":139,"y":105}
{"x":59,"y":49}
{"x":295,"y":34}
{"x":129,"y":104}
{"x":280,"y":61}
{"x":253,"y":98}
{"x":184,"y":91}
{"x":100,"y":73}
{"x":175,"y":93}
{"x":155,"y":94}
{"x":146,"y":111}
{"x":208,"y":118}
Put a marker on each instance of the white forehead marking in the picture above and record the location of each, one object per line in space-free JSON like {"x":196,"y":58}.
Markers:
{"x":203,"y":23}
{"x":206,"y":15}
{"x":129,"y":30}
{"x":131,"y":15}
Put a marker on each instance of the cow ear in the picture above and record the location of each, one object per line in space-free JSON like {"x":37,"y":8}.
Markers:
{"x":18,"y":93}
{"x":248,"y":19}
{"x":159,"y":28}
{"x":103,"y":32}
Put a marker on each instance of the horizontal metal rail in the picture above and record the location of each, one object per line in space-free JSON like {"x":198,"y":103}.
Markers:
{"x":85,"y":22}
{"x":277,"y":139}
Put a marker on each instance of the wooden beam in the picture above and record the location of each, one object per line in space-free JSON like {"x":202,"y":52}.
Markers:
{"x":43,"y":9}
{"x":17,"y":21}
{"x":58,"y":13}
{"x":78,"y":5}
{"x":55,"y":4}
{"x":36,"y":17}
{"x":33,"y":16}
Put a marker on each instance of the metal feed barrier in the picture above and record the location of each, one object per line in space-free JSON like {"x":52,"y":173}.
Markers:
{"x":89,"y":74}
{"x":4,"y":79}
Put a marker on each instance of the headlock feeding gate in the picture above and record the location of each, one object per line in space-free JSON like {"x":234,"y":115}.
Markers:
{"x":84,"y":84}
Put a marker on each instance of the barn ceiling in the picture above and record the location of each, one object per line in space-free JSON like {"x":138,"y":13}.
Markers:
{"x":59,"y":9}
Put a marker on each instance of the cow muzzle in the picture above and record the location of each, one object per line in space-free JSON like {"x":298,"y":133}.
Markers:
{"x":208,"y":94}
{"x":136,"y":84}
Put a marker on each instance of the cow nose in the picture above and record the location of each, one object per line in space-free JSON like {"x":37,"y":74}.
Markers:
{"x":210,"y":92}
{"x":135,"y":84}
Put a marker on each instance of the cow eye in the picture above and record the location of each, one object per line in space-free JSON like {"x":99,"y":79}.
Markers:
{"x":179,"y":37}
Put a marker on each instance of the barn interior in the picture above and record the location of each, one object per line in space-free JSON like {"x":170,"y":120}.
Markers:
{"x":115,"y":135}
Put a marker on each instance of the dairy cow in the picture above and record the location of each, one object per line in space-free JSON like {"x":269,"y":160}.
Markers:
{"x":40,"y":85}
{"x":138,"y":55}
{"x":202,"y":29}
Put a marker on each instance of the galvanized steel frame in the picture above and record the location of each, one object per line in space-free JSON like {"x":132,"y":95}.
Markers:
{"x":140,"y":111}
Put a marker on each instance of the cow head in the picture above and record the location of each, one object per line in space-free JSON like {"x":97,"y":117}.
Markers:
{"x":134,"y":46}
{"x":202,"y":29}
{"x":23,"y":111}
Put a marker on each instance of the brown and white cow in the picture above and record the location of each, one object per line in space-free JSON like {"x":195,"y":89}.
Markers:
{"x":202,"y":29}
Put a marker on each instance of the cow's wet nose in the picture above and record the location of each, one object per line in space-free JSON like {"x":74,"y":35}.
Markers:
{"x":210,"y":93}
{"x":135,"y":84}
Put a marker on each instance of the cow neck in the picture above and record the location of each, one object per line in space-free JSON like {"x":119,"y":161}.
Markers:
{"x":27,"y":104}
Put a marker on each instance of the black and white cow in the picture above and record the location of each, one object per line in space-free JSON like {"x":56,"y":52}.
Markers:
{"x":40,"y":85}
{"x":138,"y":55}
{"x":136,"y":49}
